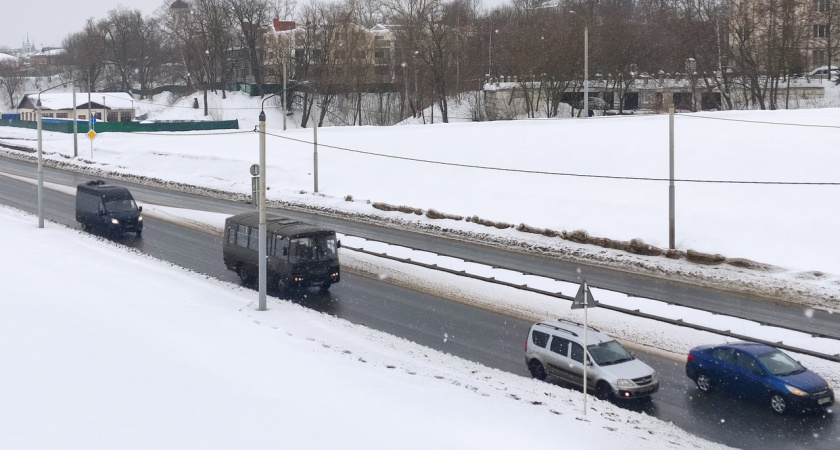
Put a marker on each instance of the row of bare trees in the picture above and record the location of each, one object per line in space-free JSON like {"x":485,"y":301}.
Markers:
{"x":443,"y":49}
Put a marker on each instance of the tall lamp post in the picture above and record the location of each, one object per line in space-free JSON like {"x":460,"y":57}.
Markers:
{"x":263,"y":275}
{"x":585,"y":63}
{"x":41,"y":156}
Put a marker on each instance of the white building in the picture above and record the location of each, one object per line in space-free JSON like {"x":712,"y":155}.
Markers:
{"x":104,"y":106}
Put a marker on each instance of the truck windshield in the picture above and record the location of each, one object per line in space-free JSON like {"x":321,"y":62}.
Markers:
{"x":116,"y":206}
{"x":314,"y":248}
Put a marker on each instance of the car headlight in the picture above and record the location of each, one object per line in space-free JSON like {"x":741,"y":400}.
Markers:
{"x":621,"y":382}
{"x":795,"y":391}
{"x":115,"y":222}
{"x":140,"y":218}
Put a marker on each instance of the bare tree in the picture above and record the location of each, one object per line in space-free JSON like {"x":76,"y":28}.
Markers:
{"x":87,"y":54}
{"x":12,"y":78}
{"x":120,"y":31}
{"x":251,"y":18}
{"x":433,"y":33}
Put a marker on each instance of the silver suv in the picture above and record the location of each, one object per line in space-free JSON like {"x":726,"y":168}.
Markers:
{"x":556,"y":348}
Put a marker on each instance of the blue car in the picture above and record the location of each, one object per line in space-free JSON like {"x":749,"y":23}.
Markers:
{"x":758,"y":372}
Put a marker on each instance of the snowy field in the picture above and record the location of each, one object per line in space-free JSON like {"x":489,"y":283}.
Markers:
{"x":119,"y":350}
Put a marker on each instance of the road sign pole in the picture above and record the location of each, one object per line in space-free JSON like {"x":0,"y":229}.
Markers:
{"x":583,"y":300}
{"x":585,"y":345}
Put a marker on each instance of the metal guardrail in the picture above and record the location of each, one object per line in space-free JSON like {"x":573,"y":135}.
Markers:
{"x":635,"y":312}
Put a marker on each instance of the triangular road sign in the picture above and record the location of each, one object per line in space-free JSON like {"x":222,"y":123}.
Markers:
{"x":584,"y":298}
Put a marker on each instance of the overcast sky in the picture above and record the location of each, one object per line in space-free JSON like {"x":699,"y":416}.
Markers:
{"x":48,"y":22}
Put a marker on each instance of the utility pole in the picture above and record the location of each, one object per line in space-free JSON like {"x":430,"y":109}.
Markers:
{"x":671,"y":189}
{"x":75,"y":122}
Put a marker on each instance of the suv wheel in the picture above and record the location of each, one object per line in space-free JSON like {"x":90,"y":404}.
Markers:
{"x":603,"y":391}
{"x":703,"y":382}
{"x":537,"y":369}
{"x":778,"y":403}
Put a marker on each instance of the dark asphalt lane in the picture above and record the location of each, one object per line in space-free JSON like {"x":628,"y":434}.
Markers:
{"x":491,"y":339}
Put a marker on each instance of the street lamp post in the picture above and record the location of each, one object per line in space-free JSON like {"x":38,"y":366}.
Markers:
{"x":585,"y":63}
{"x":41,"y":156}
{"x":263,"y":275}
{"x":263,"y":278}
{"x":40,"y":169}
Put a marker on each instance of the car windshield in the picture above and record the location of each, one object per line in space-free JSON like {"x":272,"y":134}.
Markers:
{"x":610,"y":352}
{"x":780,"y":364}
{"x":314,"y":248}
{"x":117,"y":206}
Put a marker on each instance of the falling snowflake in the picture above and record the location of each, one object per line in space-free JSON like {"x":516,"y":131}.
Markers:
{"x":809,"y":313}
{"x":445,"y":337}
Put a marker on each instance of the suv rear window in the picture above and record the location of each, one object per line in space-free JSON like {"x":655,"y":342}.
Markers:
{"x":539,"y":338}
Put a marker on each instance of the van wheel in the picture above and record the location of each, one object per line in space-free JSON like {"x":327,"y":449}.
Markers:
{"x":603,"y":392}
{"x":778,"y":403}
{"x":537,"y":369}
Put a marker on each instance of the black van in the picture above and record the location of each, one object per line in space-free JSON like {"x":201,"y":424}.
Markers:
{"x":298,"y":255}
{"x":107,"y":208}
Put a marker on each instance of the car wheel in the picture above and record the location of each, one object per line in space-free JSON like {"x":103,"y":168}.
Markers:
{"x":703,"y":382}
{"x":139,"y":232}
{"x":778,"y":403}
{"x":325,"y":287}
{"x":537,"y":369}
{"x":603,"y":391}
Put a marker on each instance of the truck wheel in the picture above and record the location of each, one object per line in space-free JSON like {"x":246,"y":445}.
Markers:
{"x":243,"y":276}
{"x":282,"y":285}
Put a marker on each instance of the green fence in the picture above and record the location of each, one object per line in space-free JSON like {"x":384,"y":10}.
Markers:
{"x":123,"y":127}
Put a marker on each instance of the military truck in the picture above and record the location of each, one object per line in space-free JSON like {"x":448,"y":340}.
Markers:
{"x":298,"y":255}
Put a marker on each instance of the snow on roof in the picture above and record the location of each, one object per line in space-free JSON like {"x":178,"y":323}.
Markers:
{"x":48,"y":51}
{"x":64,"y":100}
{"x":5,"y":57}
